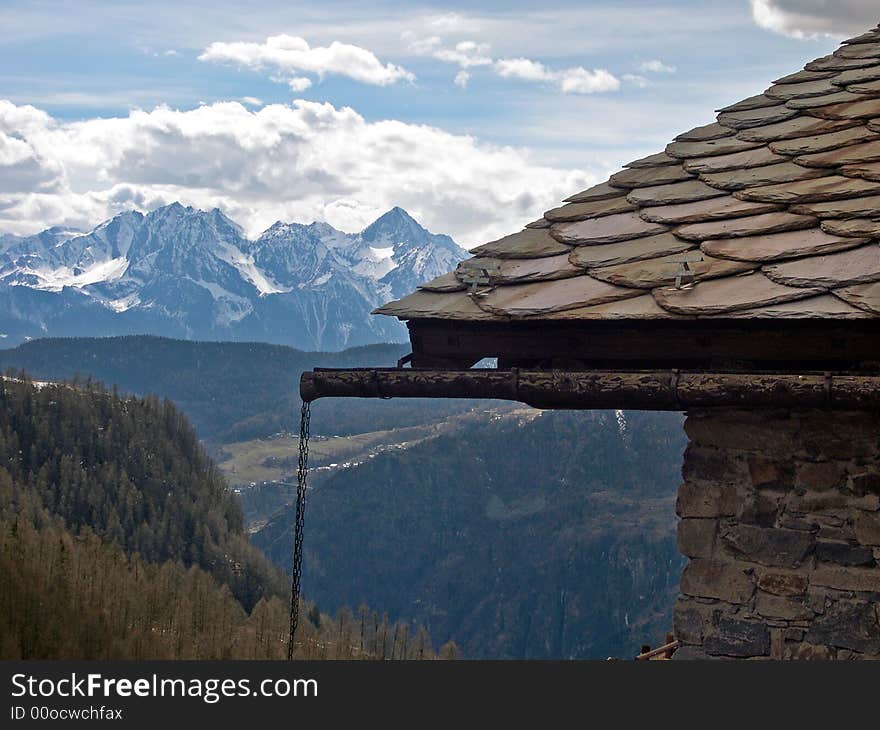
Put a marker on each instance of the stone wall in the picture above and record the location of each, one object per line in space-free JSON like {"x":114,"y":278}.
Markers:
{"x":780,"y":518}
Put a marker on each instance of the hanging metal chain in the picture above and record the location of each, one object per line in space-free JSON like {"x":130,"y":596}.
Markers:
{"x":301,"y":474}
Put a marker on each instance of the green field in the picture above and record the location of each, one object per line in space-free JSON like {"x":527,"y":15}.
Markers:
{"x":274,"y":459}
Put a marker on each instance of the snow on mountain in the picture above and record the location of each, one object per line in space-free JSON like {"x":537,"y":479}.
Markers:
{"x":183,"y":272}
{"x":407,"y":255}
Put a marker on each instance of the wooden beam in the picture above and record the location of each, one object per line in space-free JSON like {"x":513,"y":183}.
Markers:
{"x":746,"y":346}
{"x":655,"y":390}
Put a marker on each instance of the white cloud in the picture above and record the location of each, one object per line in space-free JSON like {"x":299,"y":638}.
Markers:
{"x":462,"y":78}
{"x":576,"y":80}
{"x":252,"y":101}
{"x":465,"y":54}
{"x":522,"y":68}
{"x":581,"y":81}
{"x":816,"y":18}
{"x":299,"y":83}
{"x":289,"y":56}
{"x":656,"y":66}
{"x":421,"y":46}
{"x":469,"y":54}
{"x":301,"y":162}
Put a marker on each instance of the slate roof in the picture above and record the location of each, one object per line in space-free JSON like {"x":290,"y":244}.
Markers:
{"x":774,"y":210}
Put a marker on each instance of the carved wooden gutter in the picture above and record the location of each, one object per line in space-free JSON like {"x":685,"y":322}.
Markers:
{"x":665,"y":390}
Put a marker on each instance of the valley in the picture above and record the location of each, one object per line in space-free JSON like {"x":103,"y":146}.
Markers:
{"x":263,"y":471}
{"x":508,"y":531}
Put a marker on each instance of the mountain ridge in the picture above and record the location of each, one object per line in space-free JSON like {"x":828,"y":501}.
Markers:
{"x":183,"y":272}
{"x":229,"y":391}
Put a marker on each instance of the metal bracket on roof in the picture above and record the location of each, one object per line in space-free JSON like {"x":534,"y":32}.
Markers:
{"x":684,"y":274}
{"x":477,"y":275}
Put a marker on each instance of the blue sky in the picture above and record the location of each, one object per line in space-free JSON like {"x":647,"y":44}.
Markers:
{"x":474,"y":116}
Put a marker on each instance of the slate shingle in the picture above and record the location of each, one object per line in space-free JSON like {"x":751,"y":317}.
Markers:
{"x":775,"y":206}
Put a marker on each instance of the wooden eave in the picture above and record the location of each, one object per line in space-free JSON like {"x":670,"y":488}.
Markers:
{"x":738,"y":267}
{"x":794,"y":346}
{"x":649,"y":365}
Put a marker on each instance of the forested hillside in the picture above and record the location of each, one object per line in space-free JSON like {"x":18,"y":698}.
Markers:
{"x":120,"y":539}
{"x":230,"y":391}
{"x":548,"y":537}
{"x":133,"y":471}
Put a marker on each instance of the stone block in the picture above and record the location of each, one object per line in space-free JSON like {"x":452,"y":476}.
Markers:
{"x":867,"y":527}
{"x":715,"y":579}
{"x":818,"y":598}
{"x":692,"y":653}
{"x":842,"y":533}
{"x":847,"y":578}
{"x":744,"y":431}
{"x":767,"y":473}
{"x":836,"y":534}
{"x":762,"y":508}
{"x":780,"y":607}
{"x":830,"y":520}
{"x":849,"y":625}
{"x":688,"y":621}
{"x":820,"y":476}
{"x":696,"y":537}
{"x":713,"y":465}
{"x":839,"y":435}
{"x":782,"y":584}
{"x":769,"y":546}
{"x":843,"y":553}
{"x":738,"y":638}
{"x":777,"y":643}
{"x":795,"y":522}
{"x":706,"y":499}
{"x":808,"y":652}
{"x":865,"y":483}
{"x":831,"y":501}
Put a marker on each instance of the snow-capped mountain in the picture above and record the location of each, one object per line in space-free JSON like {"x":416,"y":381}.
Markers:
{"x":189,"y":273}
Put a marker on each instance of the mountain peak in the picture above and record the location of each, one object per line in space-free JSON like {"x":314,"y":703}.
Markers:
{"x":398,"y":212}
{"x":394,"y":227}
{"x":397,"y":216}
{"x":166,"y":212}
